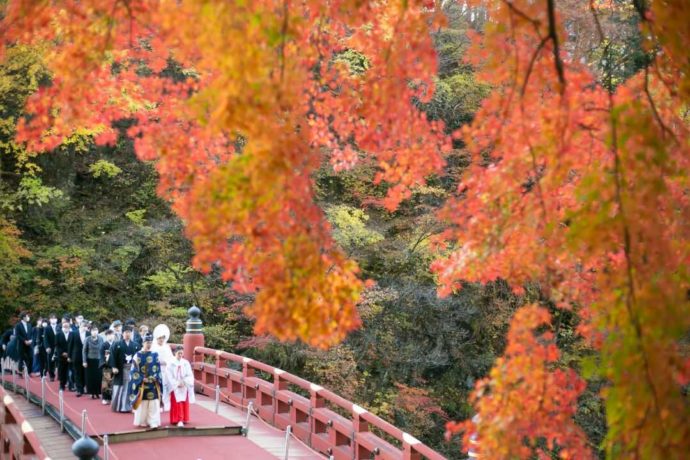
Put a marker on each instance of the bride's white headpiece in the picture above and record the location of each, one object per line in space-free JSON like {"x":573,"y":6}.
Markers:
{"x":161,"y":331}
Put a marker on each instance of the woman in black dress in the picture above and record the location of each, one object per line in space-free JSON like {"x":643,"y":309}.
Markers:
{"x":91,"y":354}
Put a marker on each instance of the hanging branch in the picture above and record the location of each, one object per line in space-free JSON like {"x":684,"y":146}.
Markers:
{"x":553,"y":35}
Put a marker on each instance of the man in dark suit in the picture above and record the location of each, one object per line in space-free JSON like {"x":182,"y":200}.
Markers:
{"x":49,"y":336}
{"x":61,"y":353}
{"x":24,"y":332}
{"x":76,"y":360}
{"x":136,"y":338}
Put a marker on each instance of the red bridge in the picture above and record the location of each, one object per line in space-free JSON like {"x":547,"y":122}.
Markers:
{"x":245,"y":409}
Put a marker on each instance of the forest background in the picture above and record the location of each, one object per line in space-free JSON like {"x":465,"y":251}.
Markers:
{"x":84,"y":231}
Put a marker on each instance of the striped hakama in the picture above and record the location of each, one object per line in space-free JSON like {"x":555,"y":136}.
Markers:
{"x":121,"y":401}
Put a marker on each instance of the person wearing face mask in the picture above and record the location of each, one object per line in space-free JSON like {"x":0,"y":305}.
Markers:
{"x":76,"y":348}
{"x":62,"y":353}
{"x":91,"y":356}
{"x":50,"y":333}
{"x":121,"y":361}
{"x":24,"y":333}
{"x":39,"y":351}
{"x":70,"y":375}
{"x":117,"y":330}
{"x":106,"y":370}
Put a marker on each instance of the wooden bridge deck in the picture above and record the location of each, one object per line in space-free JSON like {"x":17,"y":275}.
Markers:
{"x":57,"y":443}
{"x":263,"y":442}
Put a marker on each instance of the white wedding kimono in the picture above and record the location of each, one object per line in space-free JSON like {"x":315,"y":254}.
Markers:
{"x":180,"y":371}
{"x":165,"y":356}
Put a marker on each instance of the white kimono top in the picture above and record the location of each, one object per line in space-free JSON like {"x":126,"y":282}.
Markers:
{"x":181,"y":371}
{"x":165,"y":356}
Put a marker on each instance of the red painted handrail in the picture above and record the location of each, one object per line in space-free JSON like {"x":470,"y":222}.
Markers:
{"x":17,"y":437}
{"x":312,"y":421}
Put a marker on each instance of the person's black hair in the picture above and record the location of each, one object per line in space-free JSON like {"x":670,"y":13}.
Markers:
{"x":23,"y":314}
{"x":127,"y":329}
{"x":130,"y":322}
{"x":109,"y":332}
{"x":52,"y":315}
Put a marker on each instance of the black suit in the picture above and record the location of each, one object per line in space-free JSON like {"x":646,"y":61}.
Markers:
{"x":75,"y":348}
{"x":136,"y":338}
{"x":49,"y":344}
{"x":61,"y":354}
{"x":24,"y":332}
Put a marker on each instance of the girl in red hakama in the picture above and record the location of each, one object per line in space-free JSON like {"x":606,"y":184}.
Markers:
{"x":181,"y":382}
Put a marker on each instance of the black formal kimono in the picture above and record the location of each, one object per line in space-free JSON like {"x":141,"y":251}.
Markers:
{"x":61,"y":354}
{"x":75,"y":350}
{"x":121,"y":355}
{"x":24,"y":333}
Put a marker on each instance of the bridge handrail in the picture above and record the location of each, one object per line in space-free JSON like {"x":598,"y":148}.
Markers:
{"x":25,"y":445}
{"x":362,"y":442}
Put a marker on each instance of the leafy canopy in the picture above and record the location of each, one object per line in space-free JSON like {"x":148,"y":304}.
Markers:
{"x":239,"y":103}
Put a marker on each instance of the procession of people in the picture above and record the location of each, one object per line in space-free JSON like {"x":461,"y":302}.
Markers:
{"x":131,"y":369}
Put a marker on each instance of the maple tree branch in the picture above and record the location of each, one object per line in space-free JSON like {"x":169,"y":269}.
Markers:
{"x":514,"y":9}
{"x":283,"y":33}
{"x":627,"y":243}
{"x":531,"y":64}
{"x":665,"y":129}
{"x":627,"y":250}
{"x":553,"y":35}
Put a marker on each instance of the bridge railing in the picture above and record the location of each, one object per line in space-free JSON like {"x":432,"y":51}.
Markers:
{"x":17,"y":437}
{"x":318,"y":417}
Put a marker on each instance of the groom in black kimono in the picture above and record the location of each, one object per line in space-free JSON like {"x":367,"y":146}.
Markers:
{"x":121,"y":355}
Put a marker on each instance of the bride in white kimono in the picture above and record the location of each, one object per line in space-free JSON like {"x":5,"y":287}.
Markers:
{"x":161,"y":334}
{"x":180,"y":380}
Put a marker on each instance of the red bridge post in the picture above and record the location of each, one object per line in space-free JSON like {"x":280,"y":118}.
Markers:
{"x":194,"y":333}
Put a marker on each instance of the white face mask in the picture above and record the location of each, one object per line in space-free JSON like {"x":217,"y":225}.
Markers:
{"x":45,"y":324}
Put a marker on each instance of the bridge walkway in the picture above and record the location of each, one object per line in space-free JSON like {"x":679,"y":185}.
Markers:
{"x":263,"y":443}
{"x":47,"y":430}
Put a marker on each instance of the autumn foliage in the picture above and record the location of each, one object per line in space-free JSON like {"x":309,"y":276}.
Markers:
{"x":545,"y":407}
{"x":577,"y":183}
{"x":584,"y":188}
{"x":261,"y":73}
